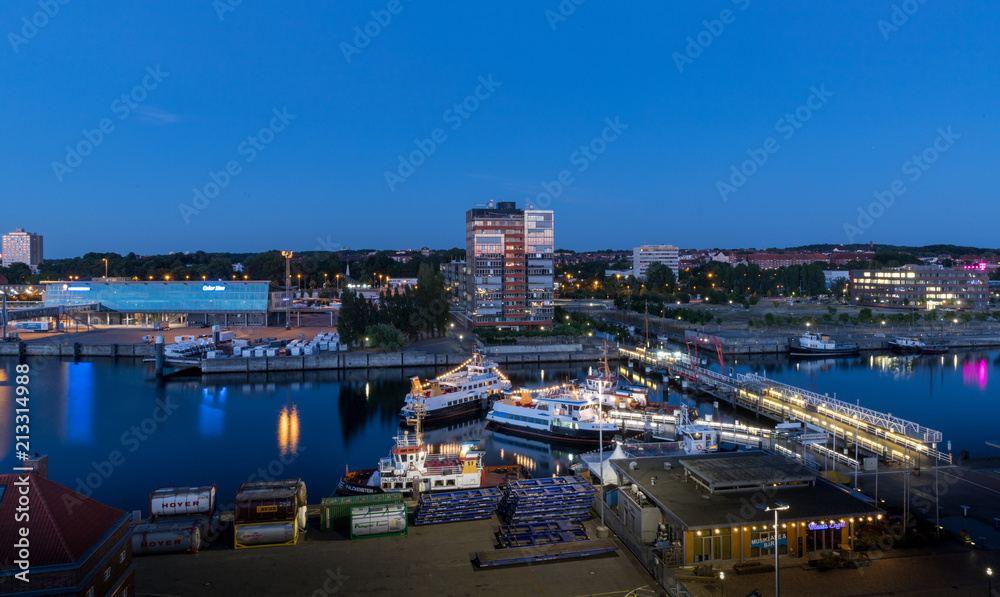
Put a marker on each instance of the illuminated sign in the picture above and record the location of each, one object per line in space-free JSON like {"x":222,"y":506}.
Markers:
{"x":78,"y":288}
{"x":768,"y":543}
{"x":213,"y":287}
{"x":823,"y":527}
{"x":981,"y":266}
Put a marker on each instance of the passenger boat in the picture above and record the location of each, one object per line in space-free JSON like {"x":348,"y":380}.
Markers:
{"x":415,"y":466}
{"x":463,"y":391}
{"x":813,"y":344}
{"x":557,"y":414}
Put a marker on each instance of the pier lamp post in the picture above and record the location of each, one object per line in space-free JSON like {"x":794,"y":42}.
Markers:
{"x":989,"y":581}
{"x":722,"y":583}
{"x":778,"y":506}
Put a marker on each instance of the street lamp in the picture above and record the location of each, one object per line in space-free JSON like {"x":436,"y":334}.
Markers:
{"x":778,"y":506}
{"x":105,"y":268}
{"x":989,"y":581}
{"x":722,"y":582}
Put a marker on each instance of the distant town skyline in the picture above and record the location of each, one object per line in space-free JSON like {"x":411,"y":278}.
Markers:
{"x":324,"y":125}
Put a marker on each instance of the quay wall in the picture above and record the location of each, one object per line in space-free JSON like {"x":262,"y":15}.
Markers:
{"x":324,"y":360}
{"x":776,"y":343}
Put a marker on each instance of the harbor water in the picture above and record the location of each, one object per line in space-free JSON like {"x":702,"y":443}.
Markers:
{"x":111,"y":431}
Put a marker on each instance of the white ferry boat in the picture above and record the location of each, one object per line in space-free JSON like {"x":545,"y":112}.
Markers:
{"x":558,"y":414}
{"x":813,"y":344}
{"x":413,"y":465}
{"x":462,"y":391}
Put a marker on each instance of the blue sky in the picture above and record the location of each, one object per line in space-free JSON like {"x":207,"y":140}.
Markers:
{"x":687,"y":113}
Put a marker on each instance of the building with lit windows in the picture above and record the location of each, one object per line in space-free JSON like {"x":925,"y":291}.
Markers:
{"x":923,"y":286}
{"x":645,"y":255}
{"x":701,"y":507}
{"x":22,"y":247}
{"x":509,"y":279}
{"x":142,"y":302}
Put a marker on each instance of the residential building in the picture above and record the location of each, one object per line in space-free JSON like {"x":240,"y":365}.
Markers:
{"x":776,"y":260}
{"x":454,"y":280}
{"x":927,"y":286}
{"x":509,"y":257}
{"x":78,"y":546}
{"x":644,"y":255}
{"x":22,"y":247}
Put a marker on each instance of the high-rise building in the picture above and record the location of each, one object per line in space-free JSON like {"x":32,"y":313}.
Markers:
{"x":22,"y":247}
{"x":508,"y":254}
{"x":646,"y":254}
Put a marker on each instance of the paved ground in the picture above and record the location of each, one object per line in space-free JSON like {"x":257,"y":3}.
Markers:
{"x":953,"y":571}
{"x":430,"y":560}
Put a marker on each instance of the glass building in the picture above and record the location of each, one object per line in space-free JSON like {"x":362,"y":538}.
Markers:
{"x":140,"y":302}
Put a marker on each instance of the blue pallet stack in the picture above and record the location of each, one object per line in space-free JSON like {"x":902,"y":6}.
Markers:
{"x":540,"y":533}
{"x":474,"y":504}
{"x":546,"y":500}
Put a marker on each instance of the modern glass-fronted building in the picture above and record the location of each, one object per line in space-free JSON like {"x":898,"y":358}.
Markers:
{"x":139,"y":302}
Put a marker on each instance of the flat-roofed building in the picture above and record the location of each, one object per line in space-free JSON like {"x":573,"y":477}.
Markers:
{"x":705,"y":504}
{"x":509,"y":254}
{"x":926,"y":286}
{"x":22,"y":247}
{"x":645,"y":255}
{"x":142,"y":302}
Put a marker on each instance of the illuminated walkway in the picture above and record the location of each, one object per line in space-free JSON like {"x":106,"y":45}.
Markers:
{"x":890,"y":437}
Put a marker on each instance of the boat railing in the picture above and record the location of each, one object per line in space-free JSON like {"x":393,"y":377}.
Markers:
{"x":443,"y":470}
{"x":408,"y":441}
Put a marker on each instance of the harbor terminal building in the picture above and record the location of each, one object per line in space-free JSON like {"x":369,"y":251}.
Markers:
{"x":227,"y":303}
{"x":708,"y":507}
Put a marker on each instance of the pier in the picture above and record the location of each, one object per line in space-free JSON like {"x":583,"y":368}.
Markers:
{"x":874,"y":433}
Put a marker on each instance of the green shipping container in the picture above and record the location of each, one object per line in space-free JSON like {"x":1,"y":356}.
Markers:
{"x":335,"y":512}
{"x":378,"y":521}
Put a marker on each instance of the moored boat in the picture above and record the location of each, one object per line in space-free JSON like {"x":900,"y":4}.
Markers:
{"x":559,"y":414}
{"x":463,"y":391}
{"x":813,"y":344}
{"x":907,"y":345}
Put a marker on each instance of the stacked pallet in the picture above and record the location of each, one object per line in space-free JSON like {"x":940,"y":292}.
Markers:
{"x":436,"y":508}
{"x":552,"y":499}
{"x":540,"y":533}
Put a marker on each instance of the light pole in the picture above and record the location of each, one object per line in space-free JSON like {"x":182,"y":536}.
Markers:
{"x":288,"y":288}
{"x":105,"y":268}
{"x":989,"y":581}
{"x":778,"y":506}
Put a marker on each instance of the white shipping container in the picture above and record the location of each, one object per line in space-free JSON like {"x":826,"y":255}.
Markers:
{"x":378,"y":520}
{"x":272,"y":352}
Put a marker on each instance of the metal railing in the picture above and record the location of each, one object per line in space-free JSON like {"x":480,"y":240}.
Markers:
{"x":646,"y":556}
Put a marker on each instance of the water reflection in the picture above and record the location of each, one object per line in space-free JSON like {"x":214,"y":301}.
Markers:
{"x":80,"y":403}
{"x":288,"y":430}
{"x":212,"y":412}
{"x":974,"y":373}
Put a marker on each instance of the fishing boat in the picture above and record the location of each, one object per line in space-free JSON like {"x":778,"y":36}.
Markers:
{"x":561,"y":414}
{"x":463,"y":391}
{"x":814,"y":344}
{"x":416,"y":466}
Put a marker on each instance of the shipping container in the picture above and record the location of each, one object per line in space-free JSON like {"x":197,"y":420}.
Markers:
{"x":335,"y":512}
{"x":265,"y":534}
{"x":378,"y":521}
{"x":171,"y":501}
{"x":165,"y":538}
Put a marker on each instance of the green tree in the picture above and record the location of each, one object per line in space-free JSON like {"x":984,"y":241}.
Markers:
{"x":385,"y":336}
{"x":659,"y":275}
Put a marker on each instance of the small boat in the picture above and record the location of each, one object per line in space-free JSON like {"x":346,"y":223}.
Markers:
{"x":559,"y":414}
{"x":463,"y":391}
{"x":813,"y":344}
{"x":907,"y":345}
{"x":934,"y":349}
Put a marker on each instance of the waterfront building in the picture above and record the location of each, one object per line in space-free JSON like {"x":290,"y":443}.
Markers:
{"x":22,"y":247}
{"x":644,"y":255}
{"x":77,"y":545}
{"x":705,"y":504}
{"x":142,"y":302}
{"x":927,"y":286}
{"x":509,"y":257}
